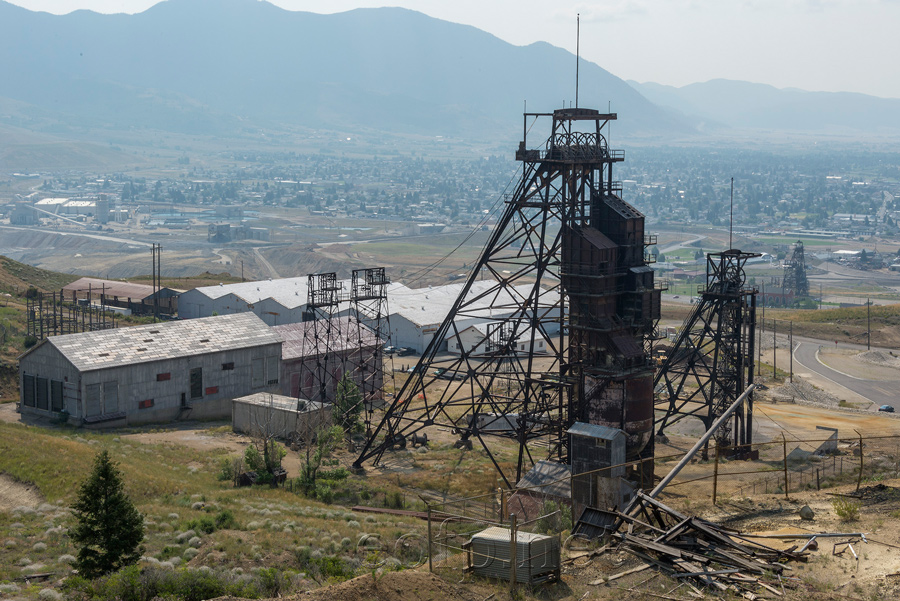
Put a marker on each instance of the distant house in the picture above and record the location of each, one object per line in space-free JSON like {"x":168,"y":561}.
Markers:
{"x":135,"y":298}
{"x":478,"y":339}
{"x":150,"y":373}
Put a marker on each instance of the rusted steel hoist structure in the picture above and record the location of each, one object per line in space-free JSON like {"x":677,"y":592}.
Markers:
{"x":561,"y":331}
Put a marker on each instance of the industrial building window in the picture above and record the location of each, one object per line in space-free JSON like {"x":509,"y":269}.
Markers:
{"x":28,"y":390}
{"x":271,"y":370}
{"x":228,"y":366}
{"x":197,"y":383}
{"x":43,"y":393}
{"x":163,"y":377}
{"x":56,"y":395}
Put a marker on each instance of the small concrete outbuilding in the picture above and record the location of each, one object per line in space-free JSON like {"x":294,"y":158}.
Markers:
{"x":276,"y":416}
{"x":150,"y":373}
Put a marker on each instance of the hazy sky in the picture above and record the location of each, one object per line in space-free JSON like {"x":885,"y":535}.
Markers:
{"x":830,"y":45}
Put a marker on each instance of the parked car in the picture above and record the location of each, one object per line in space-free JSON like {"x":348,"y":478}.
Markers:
{"x":403,"y":351}
{"x":886,"y":409}
{"x":389,"y":350}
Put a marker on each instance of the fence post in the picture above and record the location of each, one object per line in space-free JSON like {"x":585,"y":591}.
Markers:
{"x":818,"y":486}
{"x":784,"y":445}
{"x":859,"y":479}
{"x":512,"y":551}
{"x":428,"y":509}
{"x":716,"y":474}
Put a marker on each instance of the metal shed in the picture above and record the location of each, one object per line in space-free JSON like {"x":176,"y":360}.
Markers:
{"x":537,"y":555}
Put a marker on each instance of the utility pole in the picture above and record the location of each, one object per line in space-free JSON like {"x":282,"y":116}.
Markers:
{"x":868,"y":325}
{"x":774,"y":349}
{"x":791,"y":344}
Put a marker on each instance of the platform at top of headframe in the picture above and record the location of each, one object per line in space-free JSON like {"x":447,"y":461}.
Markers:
{"x":576,"y":114}
{"x":566,"y":143}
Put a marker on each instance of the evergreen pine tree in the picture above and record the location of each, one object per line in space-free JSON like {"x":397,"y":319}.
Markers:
{"x":347,"y":404}
{"x":109,"y":528}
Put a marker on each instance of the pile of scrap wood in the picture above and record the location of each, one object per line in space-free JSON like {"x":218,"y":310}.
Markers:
{"x":705,"y":553}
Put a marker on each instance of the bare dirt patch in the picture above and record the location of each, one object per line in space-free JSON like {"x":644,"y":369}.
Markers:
{"x":392,"y":586}
{"x":16,"y":494}
{"x":196,"y":436}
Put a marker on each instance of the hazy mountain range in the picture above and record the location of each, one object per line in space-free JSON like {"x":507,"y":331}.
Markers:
{"x":217,"y":67}
{"x":740,"y":104}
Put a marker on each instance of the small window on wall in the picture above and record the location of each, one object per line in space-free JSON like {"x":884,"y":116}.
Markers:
{"x":163,"y":377}
{"x":228,"y":366}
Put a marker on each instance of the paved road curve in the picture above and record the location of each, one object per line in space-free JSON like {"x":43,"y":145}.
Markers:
{"x":880,"y":392}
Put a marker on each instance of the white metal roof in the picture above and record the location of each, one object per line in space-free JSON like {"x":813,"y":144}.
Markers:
{"x":103,"y":349}
{"x":290,"y":293}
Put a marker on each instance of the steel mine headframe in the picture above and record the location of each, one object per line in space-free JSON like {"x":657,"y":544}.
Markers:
{"x":557,"y":333}
{"x":795,"y":283}
{"x":712,"y":360}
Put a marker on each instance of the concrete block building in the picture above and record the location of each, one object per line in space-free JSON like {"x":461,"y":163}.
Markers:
{"x":151,"y":373}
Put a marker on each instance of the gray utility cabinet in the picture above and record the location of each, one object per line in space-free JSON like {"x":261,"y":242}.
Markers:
{"x":537,"y":555}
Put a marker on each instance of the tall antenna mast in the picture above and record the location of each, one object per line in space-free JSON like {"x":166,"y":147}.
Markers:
{"x":731,"y":219}
{"x":577,"y":54}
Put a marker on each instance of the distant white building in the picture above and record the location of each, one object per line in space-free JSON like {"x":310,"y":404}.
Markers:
{"x":415,"y":314}
{"x":477,"y":339}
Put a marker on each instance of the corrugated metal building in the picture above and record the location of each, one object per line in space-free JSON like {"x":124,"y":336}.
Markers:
{"x":351,"y":344}
{"x":265,"y":414}
{"x":150,"y":373}
{"x":415,"y":314}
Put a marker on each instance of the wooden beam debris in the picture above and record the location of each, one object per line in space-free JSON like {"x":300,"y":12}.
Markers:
{"x":691,"y":549}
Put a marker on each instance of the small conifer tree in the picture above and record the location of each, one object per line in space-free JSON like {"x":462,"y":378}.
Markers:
{"x":109,"y":528}
{"x":348,"y":404}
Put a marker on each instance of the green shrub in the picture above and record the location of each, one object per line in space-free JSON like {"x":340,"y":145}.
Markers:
{"x":846,"y":508}
{"x":204,"y":524}
{"x":340,"y":473}
{"x":324,"y":492}
{"x":184,"y":584}
{"x":394,"y":500}
{"x":323,"y":567}
{"x":225,"y":520}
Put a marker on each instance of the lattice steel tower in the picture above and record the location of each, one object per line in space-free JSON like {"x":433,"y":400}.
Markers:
{"x":795,"y":283}
{"x":558,"y":334}
{"x":711,"y":363}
